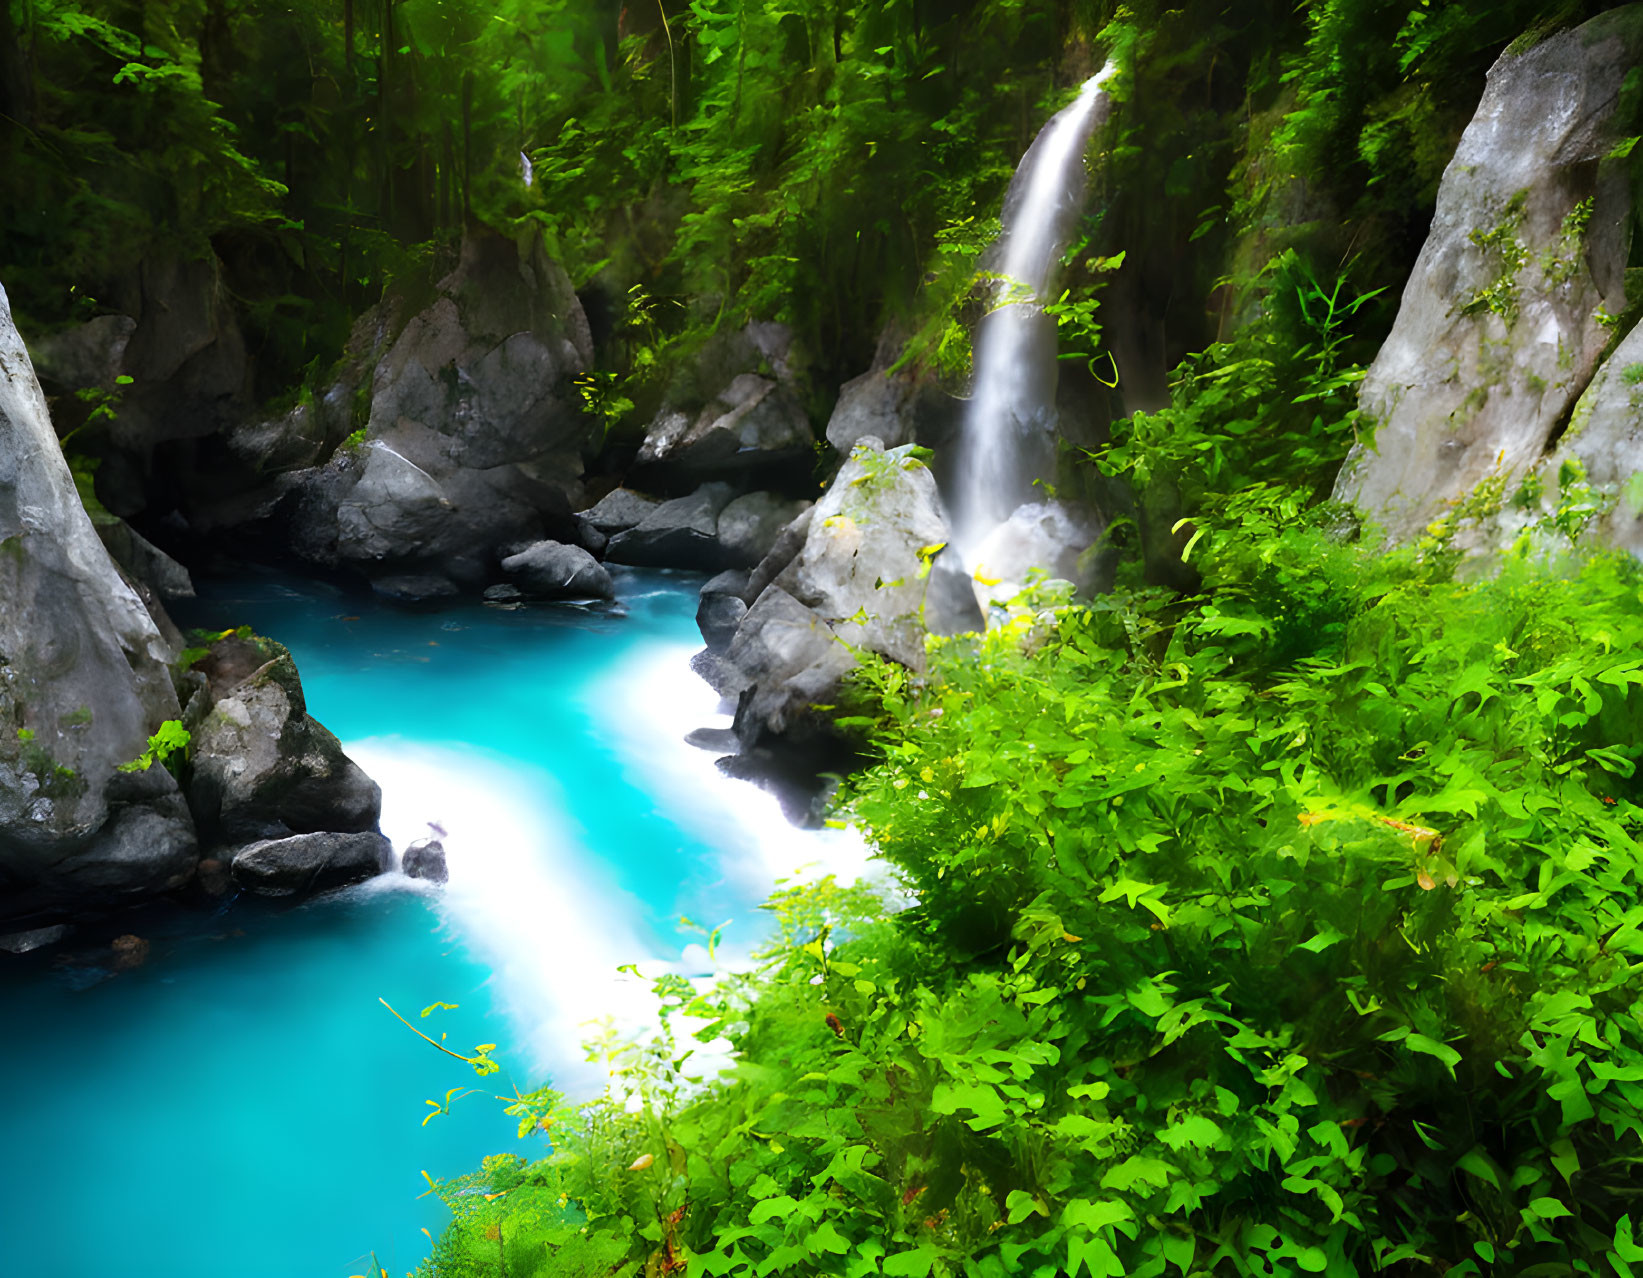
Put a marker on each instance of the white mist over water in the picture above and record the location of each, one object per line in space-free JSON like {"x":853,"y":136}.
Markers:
{"x":1007,"y":441}
{"x":528,"y":897}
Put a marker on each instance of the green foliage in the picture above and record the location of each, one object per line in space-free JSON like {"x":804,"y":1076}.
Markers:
{"x":168,"y":747}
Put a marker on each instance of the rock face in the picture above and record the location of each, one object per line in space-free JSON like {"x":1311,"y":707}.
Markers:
{"x":306,"y":863}
{"x":749,"y":526}
{"x":263,"y":768}
{"x":84,"y":681}
{"x":1498,"y":333}
{"x":853,"y":573}
{"x":475,"y":437}
{"x":682,"y":533}
{"x":551,"y":570}
{"x":619,"y":510}
{"x":753,"y":422}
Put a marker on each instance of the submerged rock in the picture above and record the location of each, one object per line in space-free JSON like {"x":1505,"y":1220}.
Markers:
{"x":1499,"y":330}
{"x":551,"y":570}
{"x":425,"y":859}
{"x":303,"y":863}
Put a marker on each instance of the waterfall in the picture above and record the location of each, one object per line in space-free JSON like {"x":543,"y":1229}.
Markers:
{"x":1008,"y":436}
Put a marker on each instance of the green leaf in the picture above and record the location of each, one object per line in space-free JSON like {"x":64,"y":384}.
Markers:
{"x":1431,"y":1047}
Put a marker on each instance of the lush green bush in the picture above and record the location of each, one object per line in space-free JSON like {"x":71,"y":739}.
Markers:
{"x":1213,"y":964}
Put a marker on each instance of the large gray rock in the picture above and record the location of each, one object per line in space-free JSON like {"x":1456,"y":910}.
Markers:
{"x":551,"y":570}
{"x":84,"y":681}
{"x":1048,"y":536}
{"x":900,"y":407}
{"x":682,"y":533}
{"x":1603,"y":449}
{"x":619,"y":510}
{"x":476,"y":435}
{"x":1498,"y":332}
{"x":864,"y":564}
{"x":750,"y":525}
{"x":425,"y":859}
{"x":85,"y":355}
{"x":852,"y":574}
{"x":305,"y":863}
{"x":143,"y":561}
{"x":263,"y":767}
{"x":784,"y":660}
{"x":752,"y":422}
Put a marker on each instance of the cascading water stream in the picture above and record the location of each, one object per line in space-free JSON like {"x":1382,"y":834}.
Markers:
{"x":1007,"y":441}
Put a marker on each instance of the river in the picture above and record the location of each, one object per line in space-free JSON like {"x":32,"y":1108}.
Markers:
{"x":241,"y":1102}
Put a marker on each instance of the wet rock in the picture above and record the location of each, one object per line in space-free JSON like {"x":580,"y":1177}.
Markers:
{"x":503,"y":594}
{"x":129,"y":952}
{"x":415,"y":588}
{"x":750,"y":525}
{"x":783,"y":551}
{"x":304,"y":863}
{"x":425,"y":859}
{"x":34,"y":939}
{"x":717,"y":617}
{"x":862,"y":566}
{"x":550,"y":570}
{"x":213,"y":877}
{"x":84,"y":681}
{"x":263,"y":767}
{"x":682,"y":533}
{"x":1498,"y":331}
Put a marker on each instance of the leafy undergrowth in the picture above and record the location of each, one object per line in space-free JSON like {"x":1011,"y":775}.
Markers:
{"x":1290,"y":929}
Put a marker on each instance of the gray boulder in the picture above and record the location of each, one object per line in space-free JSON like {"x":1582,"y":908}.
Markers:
{"x":425,"y":859}
{"x":303,"y":863}
{"x":864,"y":564}
{"x":682,"y":533}
{"x":476,"y":434}
{"x":263,"y":767}
{"x":752,"y":422}
{"x":143,"y":561}
{"x":83,"y":355}
{"x":551,"y":570}
{"x":84,"y":681}
{"x":854,"y":573}
{"x":784,"y":660}
{"x":749,"y":526}
{"x":619,"y":510}
{"x":1498,"y":331}
{"x":1049,"y":536}
{"x":721,"y":606}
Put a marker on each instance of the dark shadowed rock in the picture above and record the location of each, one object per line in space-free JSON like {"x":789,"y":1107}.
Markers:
{"x":213,"y":877}
{"x":550,"y":570}
{"x":682,"y":533}
{"x":425,"y":859}
{"x":143,"y":561}
{"x":1498,"y":331}
{"x":415,"y":587}
{"x":753,"y":422}
{"x":717,"y":617}
{"x":750,"y":525}
{"x":83,"y":355}
{"x":619,"y":510}
{"x":782,"y":552}
{"x":305,"y":863}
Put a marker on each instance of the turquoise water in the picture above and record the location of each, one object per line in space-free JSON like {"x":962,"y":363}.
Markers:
{"x":241,"y":1103}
